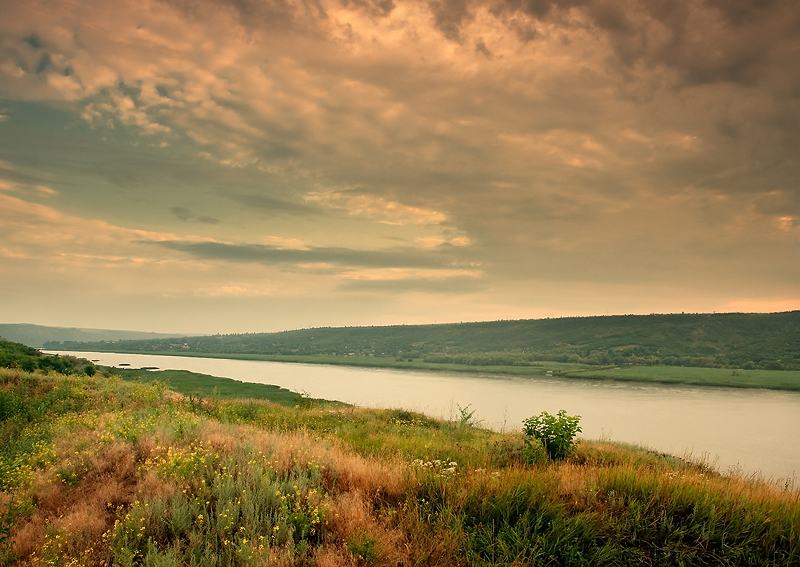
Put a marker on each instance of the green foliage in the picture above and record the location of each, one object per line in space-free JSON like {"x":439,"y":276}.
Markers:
{"x":229,"y":511}
{"x":364,"y":547}
{"x":555,"y":433}
{"x":746,"y":340}
{"x":202,"y":387}
{"x":466,"y":417}
{"x":16,"y":355}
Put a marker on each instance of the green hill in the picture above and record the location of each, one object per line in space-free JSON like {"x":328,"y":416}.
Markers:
{"x":16,"y":355}
{"x":37,"y":335}
{"x":737,"y":340}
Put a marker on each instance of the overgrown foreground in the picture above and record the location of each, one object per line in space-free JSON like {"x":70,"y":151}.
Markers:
{"x":97,"y":471}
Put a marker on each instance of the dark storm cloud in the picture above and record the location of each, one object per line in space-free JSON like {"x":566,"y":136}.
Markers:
{"x":742,"y":11}
{"x":33,"y":41}
{"x":707,"y":42}
{"x":538,"y":9}
{"x":374,"y":8}
{"x":449,"y":16}
{"x":258,"y":14}
{"x":270,"y":255}
{"x":480,"y":47}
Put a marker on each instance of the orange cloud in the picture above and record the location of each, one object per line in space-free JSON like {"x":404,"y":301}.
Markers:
{"x":390,"y":212}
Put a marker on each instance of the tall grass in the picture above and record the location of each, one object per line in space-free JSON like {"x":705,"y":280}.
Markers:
{"x":97,"y":471}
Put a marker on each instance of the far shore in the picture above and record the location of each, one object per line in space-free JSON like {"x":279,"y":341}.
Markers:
{"x":787,"y":380}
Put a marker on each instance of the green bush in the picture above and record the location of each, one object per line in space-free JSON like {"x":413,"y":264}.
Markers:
{"x":555,"y":433}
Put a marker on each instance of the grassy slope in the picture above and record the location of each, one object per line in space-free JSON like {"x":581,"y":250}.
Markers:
{"x":97,"y":470}
{"x":206,"y":386}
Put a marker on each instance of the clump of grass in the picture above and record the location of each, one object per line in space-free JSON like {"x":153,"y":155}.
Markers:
{"x":110,"y":472}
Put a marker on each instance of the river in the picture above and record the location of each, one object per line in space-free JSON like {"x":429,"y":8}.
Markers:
{"x":747,"y":431}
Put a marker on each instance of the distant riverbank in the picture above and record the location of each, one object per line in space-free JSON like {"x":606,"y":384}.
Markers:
{"x":787,"y":380}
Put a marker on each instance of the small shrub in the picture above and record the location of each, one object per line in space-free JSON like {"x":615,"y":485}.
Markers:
{"x":533,"y":451}
{"x":555,"y":433}
{"x":466,"y":417}
{"x":364,"y":547}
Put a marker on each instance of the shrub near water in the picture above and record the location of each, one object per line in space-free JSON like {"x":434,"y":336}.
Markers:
{"x":555,"y":434}
{"x":130,"y":474}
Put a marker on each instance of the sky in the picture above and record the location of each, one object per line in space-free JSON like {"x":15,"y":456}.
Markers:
{"x":220,"y":166}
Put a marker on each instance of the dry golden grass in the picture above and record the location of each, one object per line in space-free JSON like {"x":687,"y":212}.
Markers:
{"x":334,"y":556}
{"x":352,"y":517}
{"x":78,"y":512}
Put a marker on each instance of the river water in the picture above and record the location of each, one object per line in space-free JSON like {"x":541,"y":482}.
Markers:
{"x":752,"y":432}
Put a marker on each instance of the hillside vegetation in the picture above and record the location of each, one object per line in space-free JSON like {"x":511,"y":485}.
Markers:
{"x":95,"y":470}
{"x":37,"y":335}
{"x":732,"y":340}
{"x":198,"y":386}
{"x":16,"y":355}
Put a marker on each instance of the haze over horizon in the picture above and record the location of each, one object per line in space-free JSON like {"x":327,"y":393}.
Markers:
{"x":230,"y":166}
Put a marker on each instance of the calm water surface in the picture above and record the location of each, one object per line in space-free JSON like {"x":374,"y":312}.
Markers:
{"x":751,"y":431}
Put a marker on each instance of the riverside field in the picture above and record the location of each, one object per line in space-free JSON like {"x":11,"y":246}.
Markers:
{"x":97,"y":470}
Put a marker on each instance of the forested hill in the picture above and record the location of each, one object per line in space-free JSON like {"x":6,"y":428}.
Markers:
{"x":744,"y":340}
{"x":37,"y":335}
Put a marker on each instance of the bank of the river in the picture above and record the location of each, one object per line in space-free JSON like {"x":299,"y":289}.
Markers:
{"x":788,"y":380}
{"x":98,"y":471}
{"x":199,"y":385}
{"x":749,"y":430}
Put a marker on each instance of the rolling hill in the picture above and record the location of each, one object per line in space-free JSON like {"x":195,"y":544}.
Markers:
{"x":740,"y":340}
{"x":37,"y":335}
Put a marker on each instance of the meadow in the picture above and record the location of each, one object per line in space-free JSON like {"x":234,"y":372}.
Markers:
{"x":195,"y":385}
{"x":97,"y":470}
{"x":724,"y":377}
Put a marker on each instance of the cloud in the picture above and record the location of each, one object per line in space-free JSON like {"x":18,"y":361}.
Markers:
{"x":35,"y":231}
{"x":272,"y":205}
{"x":235,"y":290}
{"x":435,"y":241}
{"x":186,"y":215}
{"x":450,"y":286}
{"x":402,"y":280}
{"x":566,"y":140}
{"x":43,"y":190}
{"x":378,"y":208}
{"x":449,"y":16}
{"x":13,"y":180}
{"x":375,"y":8}
{"x":274,"y":255}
